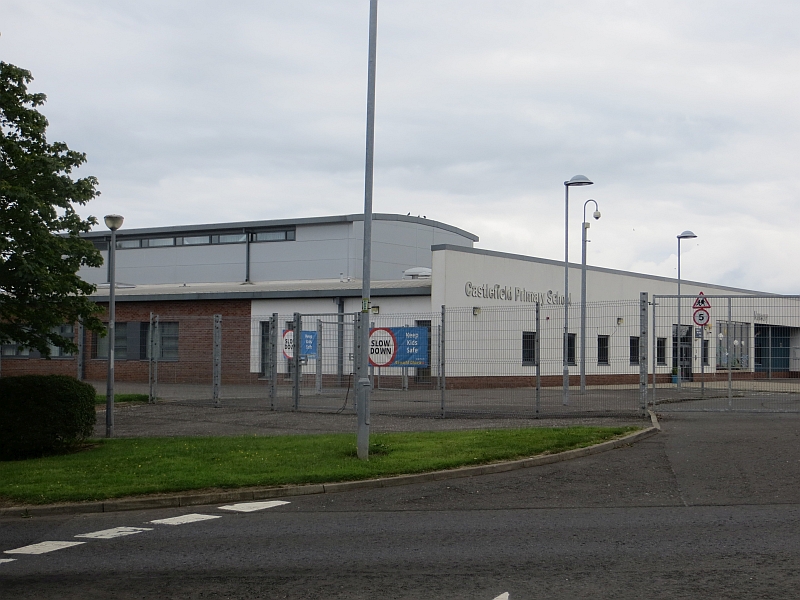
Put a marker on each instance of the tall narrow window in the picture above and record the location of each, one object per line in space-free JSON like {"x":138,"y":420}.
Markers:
{"x":529,"y":348}
{"x":705,"y":352}
{"x":571,"y":348}
{"x":634,"y":344}
{"x":602,"y":349}
{"x":661,"y":351}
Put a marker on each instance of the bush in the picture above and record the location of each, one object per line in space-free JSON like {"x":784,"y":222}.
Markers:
{"x":44,"y":414}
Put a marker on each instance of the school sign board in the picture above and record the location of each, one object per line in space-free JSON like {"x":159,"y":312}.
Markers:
{"x":398,"y":347}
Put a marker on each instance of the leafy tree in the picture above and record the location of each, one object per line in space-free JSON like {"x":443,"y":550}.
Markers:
{"x":40,"y":245}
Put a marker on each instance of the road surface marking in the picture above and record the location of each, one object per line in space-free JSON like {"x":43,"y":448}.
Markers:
{"x":5,"y":560}
{"x":253,"y":506}
{"x":107,"y":534}
{"x":503,"y":596}
{"x":43,"y":547}
{"x":190,"y":518}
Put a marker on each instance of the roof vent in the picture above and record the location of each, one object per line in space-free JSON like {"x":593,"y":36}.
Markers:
{"x":417,"y":273}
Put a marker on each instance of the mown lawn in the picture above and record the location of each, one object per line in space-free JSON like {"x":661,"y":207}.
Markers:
{"x":125,"y":467}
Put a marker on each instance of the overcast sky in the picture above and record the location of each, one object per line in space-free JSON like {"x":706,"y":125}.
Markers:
{"x":683,"y":113}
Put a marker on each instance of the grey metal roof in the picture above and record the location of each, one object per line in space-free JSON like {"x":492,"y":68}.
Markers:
{"x":560,"y":263}
{"x":318,"y":288}
{"x":209,"y":228}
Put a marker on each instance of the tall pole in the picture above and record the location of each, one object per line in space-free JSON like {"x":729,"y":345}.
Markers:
{"x":565,"y":400}
{"x":584,"y":229}
{"x":363,"y":388}
{"x":112,"y":268}
{"x":113,"y":222}
{"x":683,"y":236}
{"x":680,"y":336}
{"x":577,"y":180}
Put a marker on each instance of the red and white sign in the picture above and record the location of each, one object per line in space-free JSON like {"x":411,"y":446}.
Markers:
{"x":701,"y":317}
{"x":288,"y":344}
{"x":701,"y":302}
{"x":382,"y":347}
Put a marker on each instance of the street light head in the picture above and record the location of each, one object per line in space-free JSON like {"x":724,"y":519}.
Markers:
{"x":686,"y":235}
{"x":596,"y":214}
{"x":113,"y":222}
{"x":578,"y":180}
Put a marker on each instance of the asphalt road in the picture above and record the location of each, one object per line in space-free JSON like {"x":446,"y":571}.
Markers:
{"x":710,"y":508}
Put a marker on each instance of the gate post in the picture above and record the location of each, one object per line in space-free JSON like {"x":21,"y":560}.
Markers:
{"x":81,"y":349}
{"x":217,"y":374}
{"x":272,"y":360}
{"x":537,"y":355}
{"x":442,"y":363}
{"x":154,"y":350}
{"x":318,"y":359}
{"x":643,"y":352}
{"x":298,"y":323}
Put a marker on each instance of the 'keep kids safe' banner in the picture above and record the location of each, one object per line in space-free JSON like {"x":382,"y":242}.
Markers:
{"x":398,"y":347}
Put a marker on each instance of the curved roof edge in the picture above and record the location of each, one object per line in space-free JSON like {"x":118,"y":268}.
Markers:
{"x":215,"y":227}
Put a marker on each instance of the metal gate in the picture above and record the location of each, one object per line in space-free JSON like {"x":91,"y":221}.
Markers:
{"x":725,"y":353}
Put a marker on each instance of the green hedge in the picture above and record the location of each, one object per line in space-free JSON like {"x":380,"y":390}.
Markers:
{"x":43,"y":414}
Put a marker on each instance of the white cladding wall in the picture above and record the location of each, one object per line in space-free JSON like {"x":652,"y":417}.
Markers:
{"x":493,"y":281}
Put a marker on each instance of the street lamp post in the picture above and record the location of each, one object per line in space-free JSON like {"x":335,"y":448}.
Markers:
{"x":113,"y":222}
{"x":576,"y":181}
{"x":686,"y":235}
{"x":584,"y":228}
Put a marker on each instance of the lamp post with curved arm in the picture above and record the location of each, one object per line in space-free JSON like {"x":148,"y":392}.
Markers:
{"x":584,"y":229}
{"x":576,"y":181}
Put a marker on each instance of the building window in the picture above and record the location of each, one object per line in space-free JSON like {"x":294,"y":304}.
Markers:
{"x":571,"y":348}
{"x":661,"y":351}
{"x":602,"y":349}
{"x":195,"y":240}
{"x":66,"y":331}
{"x":13,"y":349}
{"x":733,"y":338}
{"x":100,"y":342}
{"x":634,"y":345}
{"x":158,"y":242}
{"x":273,"y":236}
{"x":124,"y":244}
{"x":705,"y":352}
{"x":529,"y":348}
{"x":231,"y":238}
{"x":169,"y":340}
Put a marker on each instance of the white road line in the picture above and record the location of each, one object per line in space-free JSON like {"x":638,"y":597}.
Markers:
{"x":190,"y":518}
{"x":5,"y":560}
{"x":43,"y":547}
{"x":108,"y":534}
{"x":503,"y":596}
{"x":253,"y":506}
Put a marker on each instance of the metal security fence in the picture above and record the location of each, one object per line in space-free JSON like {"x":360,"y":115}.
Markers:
{"x":723,"y":353}
{"x":726,"y":353}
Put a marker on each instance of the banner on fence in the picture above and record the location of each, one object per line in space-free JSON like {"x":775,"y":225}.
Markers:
{"x":398,"y":347}
{"x":308,"y":344}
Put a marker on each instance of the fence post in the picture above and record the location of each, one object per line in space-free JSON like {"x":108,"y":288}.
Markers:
{"x":81,"y":350}
{"x":655,"y":349}
{"x":730,"y":353}
{"x":217,"y":375}
{"x":298,"y":324}
{"x":643,"y":352}
{"x":272,"y":360}
{"x":318,"y":358}
{"x":537,"y":356}
{"x":442,"y":362}
{"x":152,"y":359}
{"x":356,"y":367}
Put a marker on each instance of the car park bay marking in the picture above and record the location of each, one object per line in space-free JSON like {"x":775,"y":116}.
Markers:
{"x":108,"y":534}
{"x":503,"y":596}
{"x":190,"y":518}
{"x":43,"y":547}
{"x":253,"y":506}
{"x":5,"y":560}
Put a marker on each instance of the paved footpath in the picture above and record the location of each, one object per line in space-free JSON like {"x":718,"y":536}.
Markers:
{"x":709,"y":508}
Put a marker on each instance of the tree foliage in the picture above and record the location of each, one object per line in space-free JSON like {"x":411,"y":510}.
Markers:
{"x":40,"y":245}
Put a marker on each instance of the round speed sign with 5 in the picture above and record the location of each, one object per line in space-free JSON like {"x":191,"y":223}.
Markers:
{"x":701,"y":317}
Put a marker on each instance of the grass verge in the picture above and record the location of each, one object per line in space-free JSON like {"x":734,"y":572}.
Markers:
{"x":101,"y":399}
{"x":125,"y":467}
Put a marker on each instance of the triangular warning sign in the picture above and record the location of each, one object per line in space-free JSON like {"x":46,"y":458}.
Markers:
{"x":701,"y":301}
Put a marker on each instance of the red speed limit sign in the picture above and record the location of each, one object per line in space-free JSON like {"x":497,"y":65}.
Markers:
{"x":701,"y":317}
